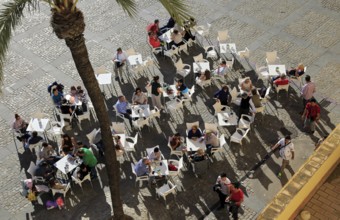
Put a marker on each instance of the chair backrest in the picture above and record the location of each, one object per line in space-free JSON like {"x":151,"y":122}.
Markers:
{"x":148,"y":90}
{"x":230,"y":63}
{"x":135,"y":139}
{"x":305,"y":69}
{"x":222,"y":35}
{"x":282,"y":87}
{"x":100,"y":70}
{"x":118,"y":127}
{"x":233,"y":93}
{"x":212,"y":127}
{"x":198,"y":58}
{"x":244,"y":132}
{"x":32,"y":168}
{"x":130,"y":52}
{"x":271,"y":56}
{"x":189,"y":125}
{"x":133,"y":169}
{"x":183,"y":47}
{"x":91,"y":136}
{"x":155,"y":113}
{"x":192,"y":90}
{"x":180,"y":164}
{"x":245,"y":53}
{"x":179,"y":64}
{"x":217,"y":107}
{"x":222,"y":141}
{"x":267,"y":92}
{"x":150,"y":150}
{"x":142,"y":122}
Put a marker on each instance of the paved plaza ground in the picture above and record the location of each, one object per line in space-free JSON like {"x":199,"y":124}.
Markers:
{"x":300,"y":30}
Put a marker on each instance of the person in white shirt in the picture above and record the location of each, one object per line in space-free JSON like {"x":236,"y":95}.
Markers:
{"x":156,"y":154}
{"x":119,"y":62}
{"x":221,"y":69}
{"x":286,"y":152}
{"x":307,"y":91}
{"x":222,"y":187}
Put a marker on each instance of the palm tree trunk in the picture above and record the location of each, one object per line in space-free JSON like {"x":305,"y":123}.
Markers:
{"x":85,"y":70}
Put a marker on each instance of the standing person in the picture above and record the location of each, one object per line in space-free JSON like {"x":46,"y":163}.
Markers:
{"x":307,"y":91}
{"x":89,"y":160}
{"x":311,"y":115}
{"x":119,"y":62}
{"x":245,"y":105}
{"x":286,"y":152}
{"x":236,"y":198}
{"x":156,"y":91}
{"x":223,"y":95}
{"x":222,"y":187}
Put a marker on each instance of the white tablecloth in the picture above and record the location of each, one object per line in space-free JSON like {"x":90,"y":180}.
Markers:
{"x":201,"y":66}
{"x":104,"y":78}
{"x":34,"y":124}
{"x":165,"y":94}
{"x":143,"y":109}
{"x":230,"y":47}
{"x":135,"y":59}
{"x":195,"y":145}
{"x":159,"y":170}
{"x":166,"y":37}
{"x":231,"y":119}
{"x":276,"y":70}
{"x":76,"y":100}
{"x":72,"y":164}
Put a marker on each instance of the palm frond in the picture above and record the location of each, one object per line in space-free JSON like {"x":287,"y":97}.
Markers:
{"x":129,"y":6}
{"x":178,"y":10}
{"x":10,"y":16}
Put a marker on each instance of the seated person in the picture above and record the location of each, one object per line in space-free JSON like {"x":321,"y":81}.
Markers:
{"x":246,"y":84}
{"x":67,"y":144}
{"x":34,"y":139}
{"x":198,"y":156}
{"x":282,"y":80}
{"x":139,"y":97}
{"x":81,"y":171}
{"x":172,"y":167}
{"x":118,"y":145}
{"x":73,"y":91}
{"x":182,"y":89}
{"x":45,"y":170}
{"x":82,"y":97}
{"x":256,"y":98}
{"x":194,"y":133}
{"x":223,"y":95}
{"x":65,"y":108}
{"x":177,"y":39}
{"x":154,"y":27}
{"x":206,"y":75}
{"x":57,"y":97}
{"x":221,"y":68}
{"x":123,"y":108}
{"x":46,"y":151}
{"x":153,"y":40}
{"x":20,"y":126}
{"x":211,"y":141}
{"x":176,"y":142}
{"x":156,"y":154}
{"x":296,"y":72}
{"x":143,"y":168}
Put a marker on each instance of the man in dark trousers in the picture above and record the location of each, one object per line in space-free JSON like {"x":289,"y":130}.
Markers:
{"x":246,"y":105}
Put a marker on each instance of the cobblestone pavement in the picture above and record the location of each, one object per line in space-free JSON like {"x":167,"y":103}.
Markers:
{"x":300,"y":30}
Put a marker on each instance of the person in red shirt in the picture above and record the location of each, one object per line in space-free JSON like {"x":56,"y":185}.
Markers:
{"x":153,"y":40}
{"x":236,"y":198}
{"x":281,"y":81}
{"x":311,"y":115}
{"x":154,"y":28}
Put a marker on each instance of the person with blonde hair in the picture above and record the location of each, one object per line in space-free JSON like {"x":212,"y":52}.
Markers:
{"x":296,"y":72}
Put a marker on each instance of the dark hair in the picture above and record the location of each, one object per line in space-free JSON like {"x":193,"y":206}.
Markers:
{"x":224,"y":62}
{"x":81,"y":91}
{"x":119,"y":49}
{"x":55,"y":89}
{"x":156,"y":150}
{"x":149,"y":33}
{"x":121,"y":96}
{"x":288,"y":137}
{"x":307,"y":78}
{"x":312,"y":100}
{"x":44,"y":144}
{"x":175,"y":31}
{"x":16,"y":116}
{"x":223,"y":175}
{"x":79,"y":87}
{"x":225,"y":87}
{"x":177,"y":134}
{"x":137,"y":89}
{"x":66,"y":135}
{"x":63,"y":101}
{"x":180,"y":81}
{"x":156,"y":21}
{"x":237,"y":185}
{"x":155,"y":78}
{"x":79,"y":143}
{"x":254,"y":91}
{"x":73,"y":88}
{"x":34,"y":133}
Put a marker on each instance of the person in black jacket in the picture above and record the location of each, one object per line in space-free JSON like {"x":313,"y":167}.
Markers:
{"x":246,"y":105}
{"x":223,"y":95}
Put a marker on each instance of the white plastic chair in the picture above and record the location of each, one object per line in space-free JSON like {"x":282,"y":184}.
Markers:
{"x":245,"y":121}
{"x":91,"y":108}
{"x":182,"y":69}
{"x":230,"y":63}
{"x":262,"y":73}
{"x":154,"y":114}
{"x":178,"y":153}
{"x":183,"y":48}
{"x":62,"y":191}
{"x":272,"y":58}
{"x":130,"y":146}
{"x":84,"y":116}
{"x":238,"y":136}
{"x":190,"y":124}
{"x":165,"y":190}
{"x":140,"y":123}
{"x":211,"y":52}
{"x":219,"y":149}
{"x":56,"y":128}
{"x":234,"y":98}
{"x":244,"y":53}
{"x":76,"y":180}
{"x":222,"y":36}
{"x":299,"y":79}
{"x":31,"y":169}
{"x":178,"y":164}
{"x":203,"y":83}
{"x":191,"y":93}
{"x":199,"y":58}
{"x":281,"y":87}
{"x":218,"y":108}
{"x":119,"y":128}
{"x":139,"y":179}
{"x":91,"y":136}
{"x":212,"y":127}
{"x":174,"y":105}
